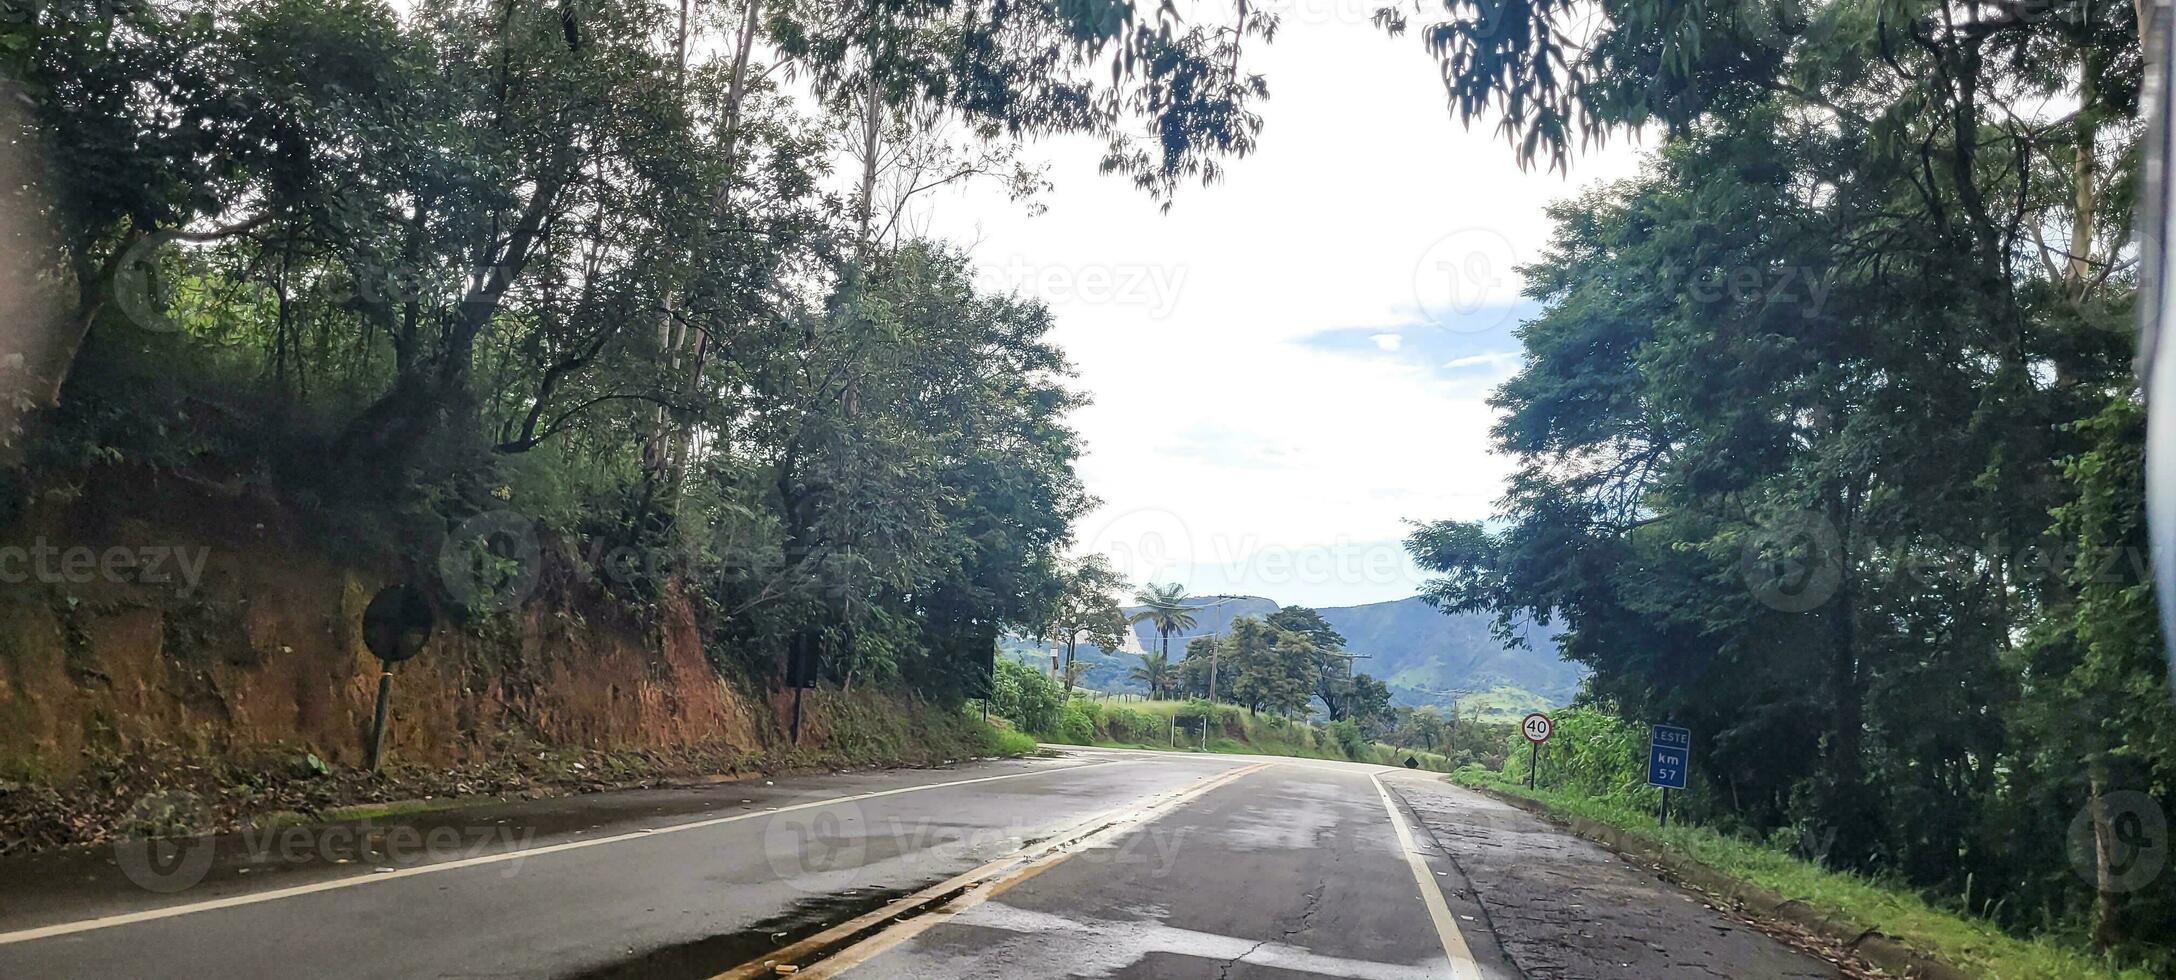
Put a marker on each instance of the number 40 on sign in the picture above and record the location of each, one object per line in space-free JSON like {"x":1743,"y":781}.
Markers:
{"x":1537,"y":728}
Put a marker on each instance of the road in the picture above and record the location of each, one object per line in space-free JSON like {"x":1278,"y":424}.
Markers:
{"x":1092,"y":864}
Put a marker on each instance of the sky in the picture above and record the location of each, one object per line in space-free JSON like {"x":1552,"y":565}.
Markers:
{"x":1290,"y":365}
{"x":1293,"y":363}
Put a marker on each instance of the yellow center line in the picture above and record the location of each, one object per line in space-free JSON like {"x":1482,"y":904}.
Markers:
{"x":168,"y":912}
{"x":982,"y":884}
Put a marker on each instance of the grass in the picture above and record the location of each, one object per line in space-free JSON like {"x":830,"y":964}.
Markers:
{"x":1975,"y":946}
{"x":1233,"y":731}
{"x":401,"y":808}
{"x":1010,"y":744}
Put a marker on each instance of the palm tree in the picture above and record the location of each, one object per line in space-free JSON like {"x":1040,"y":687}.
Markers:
{"x":1155,"y":671}
{"x":1167,"y":608}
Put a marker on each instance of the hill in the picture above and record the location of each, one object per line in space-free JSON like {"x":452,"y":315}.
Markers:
{"x":1428,"y":658}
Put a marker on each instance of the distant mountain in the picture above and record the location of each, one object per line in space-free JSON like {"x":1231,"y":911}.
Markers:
{"x":1430,"y":658}
{"x":1426,"y":657}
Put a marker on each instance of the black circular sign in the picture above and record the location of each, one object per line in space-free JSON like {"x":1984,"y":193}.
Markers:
{"x":397,"y":623}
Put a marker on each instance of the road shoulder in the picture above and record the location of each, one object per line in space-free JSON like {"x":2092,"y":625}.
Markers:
{"x":1563,"y":907}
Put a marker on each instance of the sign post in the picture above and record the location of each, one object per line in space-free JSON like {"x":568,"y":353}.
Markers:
{"x":1669,"y":749}
{"x":396,"y":626}
{"x":1537,"y":728}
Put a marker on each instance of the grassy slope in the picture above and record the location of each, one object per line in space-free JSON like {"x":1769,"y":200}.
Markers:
{"x":1975,"y":946}
{"x":1237,"y":732}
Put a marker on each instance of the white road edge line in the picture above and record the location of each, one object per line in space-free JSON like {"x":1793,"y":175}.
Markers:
{"x":148,"y":915}
{"x":1431,"y":894}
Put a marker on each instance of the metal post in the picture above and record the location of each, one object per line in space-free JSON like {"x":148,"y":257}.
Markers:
{"x":1665,"y":807}
{"x":377,"y":726}
{"x":797,"y":715}
{"x":1533,"y":761}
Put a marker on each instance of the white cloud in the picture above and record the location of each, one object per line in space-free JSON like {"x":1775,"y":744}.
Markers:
{"x":1214,"y":431}
{"x":1491,"y":359}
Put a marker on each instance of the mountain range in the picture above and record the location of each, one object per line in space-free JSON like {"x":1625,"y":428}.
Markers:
{"x":1426,"y":656}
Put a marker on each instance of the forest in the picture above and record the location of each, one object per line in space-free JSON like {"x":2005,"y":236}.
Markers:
{"x":1828,"y":441}
{"x":475,"y":284}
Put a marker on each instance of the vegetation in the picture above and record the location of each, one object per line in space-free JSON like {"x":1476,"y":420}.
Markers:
{"x":1283,"y":664}
{"x":1827,"y":437}
{"x":474,"y":282}
{"x":1969,"y":942}
{"x":1155,"y":674}
{"x":1085,"y":609}
{"x":1032,"y":702}
{"x":1164,"y":607}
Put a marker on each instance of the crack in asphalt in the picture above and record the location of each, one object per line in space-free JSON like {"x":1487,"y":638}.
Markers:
{"x":1302,"y":922}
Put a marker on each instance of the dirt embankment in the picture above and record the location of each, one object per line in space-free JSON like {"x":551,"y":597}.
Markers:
{"x":207,"y":646}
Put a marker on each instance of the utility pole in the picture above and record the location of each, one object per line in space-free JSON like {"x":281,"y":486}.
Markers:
{"x":1215,"y":644}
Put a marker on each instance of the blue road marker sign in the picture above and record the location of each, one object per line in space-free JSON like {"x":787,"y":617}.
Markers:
{"x":1669,"y":749}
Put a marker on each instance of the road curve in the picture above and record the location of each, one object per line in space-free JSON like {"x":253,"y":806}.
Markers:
{"x":1126,"y":864}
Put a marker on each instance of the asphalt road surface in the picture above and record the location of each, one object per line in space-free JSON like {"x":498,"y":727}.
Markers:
{"x":1092,"y":864}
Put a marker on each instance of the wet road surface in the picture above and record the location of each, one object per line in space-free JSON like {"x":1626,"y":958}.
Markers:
{"x":1221,"y":866}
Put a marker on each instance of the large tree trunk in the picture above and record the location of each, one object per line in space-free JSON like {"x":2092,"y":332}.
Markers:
{"x":872,"y":125}
{"x":668,"y":454}
{"x":2084,"y":171}
{"x":1842,"y":802}
{"x":2106,"y":934}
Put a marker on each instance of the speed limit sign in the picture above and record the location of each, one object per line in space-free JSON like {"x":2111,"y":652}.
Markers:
{"x":1537,"y":728}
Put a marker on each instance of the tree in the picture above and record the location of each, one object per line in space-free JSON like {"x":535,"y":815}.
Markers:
{"x":1085,"y":609}
{"x":1368,"y":705}
{"x":1421,"y":726}
{"x":1156,"y":673}
{"x":1202,"y":656}
{"x":1165,"y":607}
{"x":1801,"y":401}
{"x":1309,"y":623}
{"x":1272,"y":670}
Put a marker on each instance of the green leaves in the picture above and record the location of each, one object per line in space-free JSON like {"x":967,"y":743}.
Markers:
{"x":1810,"y":403}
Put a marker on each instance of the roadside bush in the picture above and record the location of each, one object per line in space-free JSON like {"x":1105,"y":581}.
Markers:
{"x":1228,"y":718}
{"x":1025,"y":697}
{"x":1350,"y":741}
{"x":1591,"y":753}
{"x":1128,"y":725}
{"x":1074,"y":726}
